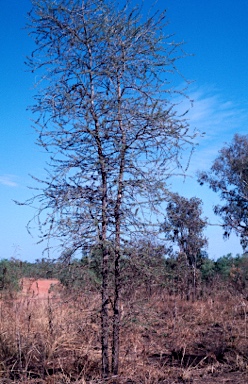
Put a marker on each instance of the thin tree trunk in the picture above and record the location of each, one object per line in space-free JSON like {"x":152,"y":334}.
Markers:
{"x":116,"y":317}
{"x":105,"y":315}
{"x":103,"y":236}
{"x":194,"y":283}
{"x":105,"y":277}
{"x":117,"y":214}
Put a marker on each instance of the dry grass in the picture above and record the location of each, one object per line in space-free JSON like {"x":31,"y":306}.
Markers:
{"x":163,"y":340}
{"x":49,"y":338}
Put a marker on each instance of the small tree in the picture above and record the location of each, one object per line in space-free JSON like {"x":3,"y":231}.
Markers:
{"x":105,"y":113}
{"x":184,"y":227}
{"x":10,"y":275}
{"x":143,"y":264}
{"x":228,"y":177}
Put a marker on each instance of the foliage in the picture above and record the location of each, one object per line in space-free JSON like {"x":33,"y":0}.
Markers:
{"x":228,"y":177}
{"x":184,"y":226}
{"x":10,"y":274}
{"x":82,"y":274}
{"x":224,"y":264}
{"x":42,"y":268}
{"x":143,"y":265}
{"x":208,"y":270}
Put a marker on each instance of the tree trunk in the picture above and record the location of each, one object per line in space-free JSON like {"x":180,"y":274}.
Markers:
{"x":105,"y":315}
{"x":117,"y":214}
{"x":116,"y":316}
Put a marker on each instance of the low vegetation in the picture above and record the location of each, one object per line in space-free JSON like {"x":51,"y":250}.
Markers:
{"x":168,"y":335}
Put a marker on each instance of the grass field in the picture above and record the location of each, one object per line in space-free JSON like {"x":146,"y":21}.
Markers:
{"x":55,"y":338}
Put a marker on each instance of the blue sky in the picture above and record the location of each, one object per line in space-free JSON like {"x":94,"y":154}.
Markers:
{"x":214,"y":32}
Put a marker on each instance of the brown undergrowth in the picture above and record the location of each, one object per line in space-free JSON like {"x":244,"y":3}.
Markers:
{"x":164,"y":339}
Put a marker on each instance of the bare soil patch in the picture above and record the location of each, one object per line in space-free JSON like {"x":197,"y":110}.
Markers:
{"x":39,"y":288}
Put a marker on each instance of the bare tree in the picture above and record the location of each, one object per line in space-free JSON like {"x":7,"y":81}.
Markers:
{"x":104,"y":111}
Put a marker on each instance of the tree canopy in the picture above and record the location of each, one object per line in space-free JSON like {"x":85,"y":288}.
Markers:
{"x":228,"y":177}
{"x":104,"y":111}
{"x":184,"y":226}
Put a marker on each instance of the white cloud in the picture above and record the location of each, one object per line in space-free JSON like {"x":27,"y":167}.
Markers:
{"x":219,"y":118}
{"x":216,"y":115}
{"x":8,"y":180}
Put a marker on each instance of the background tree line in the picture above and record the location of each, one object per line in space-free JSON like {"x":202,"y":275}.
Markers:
{"x":145,"y":266}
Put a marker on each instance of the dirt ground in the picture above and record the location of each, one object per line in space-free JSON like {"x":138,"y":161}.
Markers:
{"x":39,"y":288}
